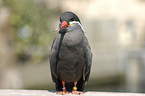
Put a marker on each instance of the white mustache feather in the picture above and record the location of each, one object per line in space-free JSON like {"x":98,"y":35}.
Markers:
{"x":73,"y":22}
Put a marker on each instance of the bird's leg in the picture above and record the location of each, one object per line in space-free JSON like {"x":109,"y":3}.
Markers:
{"x":74,"y":91}
{"x":64,"y":91}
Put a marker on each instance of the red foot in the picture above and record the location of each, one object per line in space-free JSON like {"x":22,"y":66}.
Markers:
{"x":77,"y":92}
{"x":63,"y":92}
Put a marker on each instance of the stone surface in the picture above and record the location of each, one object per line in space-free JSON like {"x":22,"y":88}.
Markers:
{"x":9,"y":92}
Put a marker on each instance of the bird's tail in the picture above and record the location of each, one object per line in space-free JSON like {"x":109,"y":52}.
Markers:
{"x":80,"y":84}
{"x":58,"y":85}
{"x":69,"y":86}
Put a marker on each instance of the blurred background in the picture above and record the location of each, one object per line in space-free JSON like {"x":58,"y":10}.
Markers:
{"x":115,"y":30}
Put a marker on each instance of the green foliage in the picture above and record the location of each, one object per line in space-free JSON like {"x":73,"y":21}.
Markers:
{"x":30,"y":21}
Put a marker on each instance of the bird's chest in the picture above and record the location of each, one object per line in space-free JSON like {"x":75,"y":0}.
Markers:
{"x":72,"y":48}
{"x":72,"y":40}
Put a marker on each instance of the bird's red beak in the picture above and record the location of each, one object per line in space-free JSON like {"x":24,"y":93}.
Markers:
{"x":63,"y":25}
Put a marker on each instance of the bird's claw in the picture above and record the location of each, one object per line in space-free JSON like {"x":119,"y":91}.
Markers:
{"x":77,"y":92}
{"x":63,"y":92}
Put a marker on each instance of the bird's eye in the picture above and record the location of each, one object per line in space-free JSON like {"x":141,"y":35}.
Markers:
{"x":71,"y":19}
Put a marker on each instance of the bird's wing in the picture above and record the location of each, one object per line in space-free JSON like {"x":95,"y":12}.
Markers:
{"x":53,"y":59}
{"x":88,"y":55}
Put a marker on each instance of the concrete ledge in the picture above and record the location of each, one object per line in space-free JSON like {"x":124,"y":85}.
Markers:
{"x":8,"y":92}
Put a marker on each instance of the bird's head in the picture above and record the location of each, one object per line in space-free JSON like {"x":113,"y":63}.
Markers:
{"x":68,"y":19}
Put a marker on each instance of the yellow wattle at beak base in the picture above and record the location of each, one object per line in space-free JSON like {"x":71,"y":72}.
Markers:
{"x":70,"y":24}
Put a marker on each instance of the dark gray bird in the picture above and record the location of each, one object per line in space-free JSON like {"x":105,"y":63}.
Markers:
{"x":71,"y":57}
